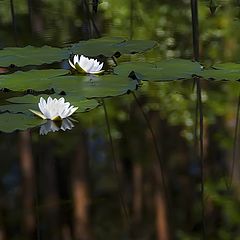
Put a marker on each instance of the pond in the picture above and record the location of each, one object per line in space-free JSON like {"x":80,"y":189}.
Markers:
{"x":151,"y":148}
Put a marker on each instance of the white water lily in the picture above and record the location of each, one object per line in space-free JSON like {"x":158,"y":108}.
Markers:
{"x":86,"y":65}
{"x":54,"y":109}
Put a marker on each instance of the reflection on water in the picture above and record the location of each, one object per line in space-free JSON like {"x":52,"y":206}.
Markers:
{"x":54,"y":126}
{"x":145,"y":184}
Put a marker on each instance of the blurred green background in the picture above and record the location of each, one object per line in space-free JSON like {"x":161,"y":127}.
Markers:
{"x":76,"y":184}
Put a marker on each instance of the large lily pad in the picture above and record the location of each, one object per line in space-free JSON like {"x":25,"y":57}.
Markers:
{"x":30,"y":55}
{"x":84,"y":86}
{"x":91,"y":86}
{"x":175,"y":69}
{"x":135,"y":46}
{"x":225,"y":71}
{"x":18,"y":108}
{"x":10,"y":122}
{"x":34,"y":79}
{"x":110,"y":46}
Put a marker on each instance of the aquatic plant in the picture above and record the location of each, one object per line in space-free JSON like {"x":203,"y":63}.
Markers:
{"x":86,"y":65}
{"x":54,"y":109}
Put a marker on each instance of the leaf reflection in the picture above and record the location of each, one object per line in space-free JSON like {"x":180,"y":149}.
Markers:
{"x":54,"y":126}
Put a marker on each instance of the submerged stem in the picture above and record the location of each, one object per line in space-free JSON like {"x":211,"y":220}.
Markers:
{"x":195,"y":29}
{"x":14,"y":25}
{"x":199,"y":104}
{"x":195,"y":34}
{"x":124,"y":207}
{"x":154,"y":142}
{"x":234,"y":143}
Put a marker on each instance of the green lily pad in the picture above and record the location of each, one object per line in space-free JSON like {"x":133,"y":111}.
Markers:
{"x":169,"y":70}
{"x":82,"y":86}
{"x":110,"y":46}
{"x":17,"y":108}
{"x":24,"y":103}
{"x":135,"y":46}
{"x":91,"y":86}
{"x":10,"y":122}
{"x":30,"y":55}
{"x":38,"y":80}
{"x":225,"y":71}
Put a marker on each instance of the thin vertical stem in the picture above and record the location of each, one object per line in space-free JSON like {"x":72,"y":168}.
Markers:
{"x":199,"y":99}
{"x":154,"y":142}
{"x":196,"y":126}
{"x":195,"y":34}
{"x":234,"y":143}
{"x":131,"y":18}
{"x":37,"y":195}
{"x":90,"y":18}
{"x":158,"y":175}
{"x":30,"y":12}
{"x":124,"y":207}
{"x":28,"y":183}
{"x":195,"y":28}
{"x":86,"y":10}
{"x":14,"y":22}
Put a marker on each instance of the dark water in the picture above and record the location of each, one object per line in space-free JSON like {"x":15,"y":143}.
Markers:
{"x":104,"y":179}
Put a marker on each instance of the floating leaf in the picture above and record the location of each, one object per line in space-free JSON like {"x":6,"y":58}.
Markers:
{"x":168,"y":70}
{"x":17,"y":108}
{"x":91,"y":86}
{"x":95,"y":47}
{"x":30,"y":55}
{"x":82,"y":86}
{"x":225,"y":71}
{"x":110,"y":46}
{"x":35,"y":79}
{"x":10,"y":122}
{"x":135,"y":46}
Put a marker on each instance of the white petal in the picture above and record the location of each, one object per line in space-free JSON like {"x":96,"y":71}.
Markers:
{"x":71,"y":64}
{"x":99,"y":67}
{"x":39,"y":114}
{"x":95,"y":66}
{"x":96,"y":63}
{"x":89,"y":66}
{"x":67,"y":104}
{"x":49,"y":100}
{"x":75,"y":59}
{"x":47,"y":114}
{"x":65,"y":114}
{"x":62,"y":113}
{"x":42,"y":104}
{"x":97,"y":72}
{"x":74,"y":109}
{"x":61,"y":100}
{"x":83,"y":62}
{"x":69,"y":111}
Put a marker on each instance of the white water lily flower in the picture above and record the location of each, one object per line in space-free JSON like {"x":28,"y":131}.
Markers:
{"x":86,"y":65}
{"x":54,"y":109}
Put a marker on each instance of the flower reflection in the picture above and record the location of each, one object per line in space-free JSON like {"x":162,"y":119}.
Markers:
{"x":53,"y":126}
